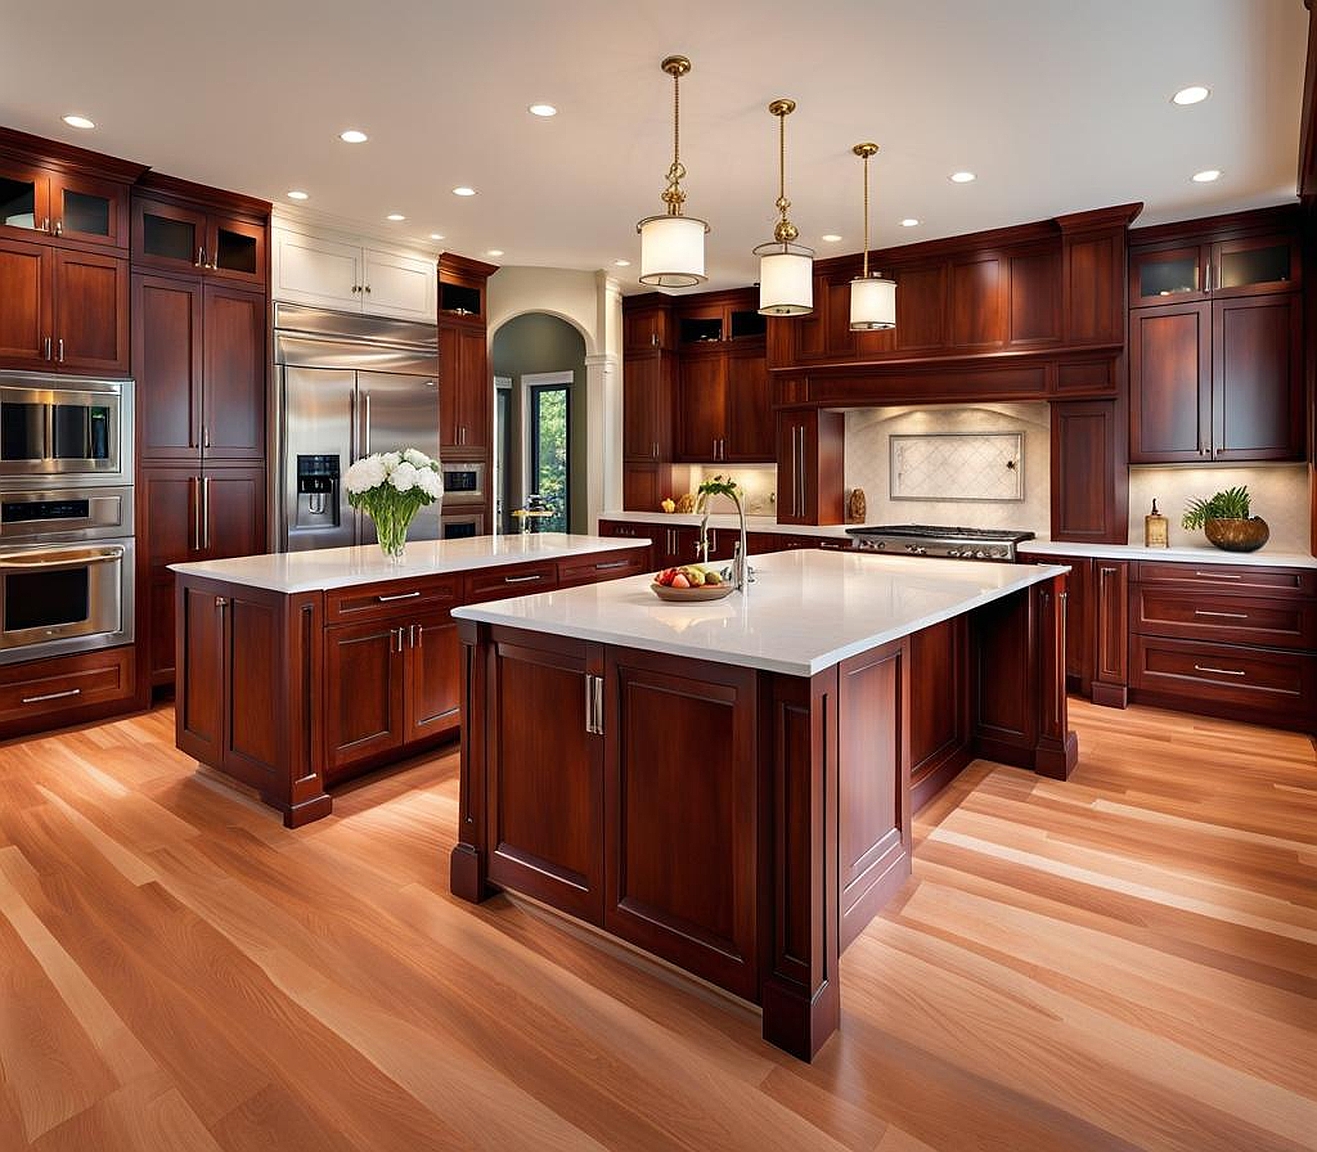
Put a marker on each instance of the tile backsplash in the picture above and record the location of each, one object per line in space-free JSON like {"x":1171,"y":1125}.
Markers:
{"x":954,"y":492}
{"x":1277,"y":492}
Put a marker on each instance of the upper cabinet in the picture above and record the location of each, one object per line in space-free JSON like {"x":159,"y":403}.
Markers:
{"x":173,"y":237}
{"x":1216,"y":340}
{"x":62,"y":204}
{"x":330,"y":273}
{"x":465,"y":384}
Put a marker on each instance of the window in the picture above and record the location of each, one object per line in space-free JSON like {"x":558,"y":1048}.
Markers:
{"x":550,"y":465}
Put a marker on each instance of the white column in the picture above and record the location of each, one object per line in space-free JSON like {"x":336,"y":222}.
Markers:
{"x":603,"y":378}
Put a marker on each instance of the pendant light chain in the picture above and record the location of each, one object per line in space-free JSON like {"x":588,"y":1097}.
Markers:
{"x":785,"y":232}
{"x":866,"y":217}
{"x":673,"y":196}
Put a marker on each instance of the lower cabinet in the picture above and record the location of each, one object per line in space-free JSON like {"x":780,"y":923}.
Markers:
{"x":65,"y":689}
{"x":1110,"y":594}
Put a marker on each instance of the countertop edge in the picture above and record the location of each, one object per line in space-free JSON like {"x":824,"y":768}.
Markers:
{"x":1205,"y":554}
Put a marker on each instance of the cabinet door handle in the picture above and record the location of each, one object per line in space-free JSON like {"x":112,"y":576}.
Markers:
{"x":52,"y":696}
{"x":411,"y":635}
{"x":205,"y":435}
{"x":205,"y":512}
{"x":611,"y":564}
{"x":59,"y":227}
{"x":589,"y":704}
{"x":1218,"y":576}
{"x":1223,"y":615}
{"x":48,"y":347}
{"x":194,"y":482}
{"x":221,"y":603}
{"x":61,"y":349}
{"x":521,"y":579}
{"x":200,"y":261}
{"x":397,"y":596}
{"x":1218,"y":671}
{"x":655,"y":450}
{"x":1207,"y":276}
{"x":594,"y":704}
{"x":45,"y":224}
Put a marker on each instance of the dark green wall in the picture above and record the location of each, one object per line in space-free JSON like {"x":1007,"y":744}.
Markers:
{"x":527,"y":346}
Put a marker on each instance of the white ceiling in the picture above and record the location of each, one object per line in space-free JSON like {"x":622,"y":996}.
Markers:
{"x":1057,"y":105}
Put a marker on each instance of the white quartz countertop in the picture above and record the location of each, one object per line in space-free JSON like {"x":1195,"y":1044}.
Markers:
{"x":1194,"y":554}
{"x":326,"y":568}
{"x":807,"y":610}
{"x":728,"y":520}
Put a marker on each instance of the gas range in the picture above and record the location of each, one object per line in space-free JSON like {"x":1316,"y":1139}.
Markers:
{"x":940,"y":540}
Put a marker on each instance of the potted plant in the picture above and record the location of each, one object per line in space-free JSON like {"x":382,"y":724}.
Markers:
{"x":391,"y":487}
{"x":1225,"y":520}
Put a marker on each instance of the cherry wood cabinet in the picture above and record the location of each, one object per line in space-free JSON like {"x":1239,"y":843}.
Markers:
{"x":233,"y":374}
{"x":1110,"y":594}
{"x":64,"y":310}
{"x":40,"y":694}
{"x":198,"y":240}
{"x":810,"y":460}
{"x":366,"y":693}
{"x":1245,"y":265}
{"x":1089,"y":489}
{"x":647,"y":406}
{"x":465,"y":385}
{"x":724,"y":407}
{"x":647,"y":323}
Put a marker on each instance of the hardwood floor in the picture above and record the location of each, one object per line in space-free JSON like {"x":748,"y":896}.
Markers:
{"x":1124,"y":960}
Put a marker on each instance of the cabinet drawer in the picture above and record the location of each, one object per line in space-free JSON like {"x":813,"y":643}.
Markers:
{"x":45,"y":687}
{"x":1247,"y":682}
{"x":389,"y":598}
{"x":1283,"y":622}
{"x":511,"y":580}
{"x":1227,"y":577}
{"x":601,"y":566}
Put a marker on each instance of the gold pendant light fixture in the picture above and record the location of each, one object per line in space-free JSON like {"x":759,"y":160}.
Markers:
{"x":786,"y":269}
{"x":873,"y":298}
{"x":672,"y":245}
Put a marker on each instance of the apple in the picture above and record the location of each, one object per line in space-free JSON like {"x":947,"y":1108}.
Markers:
{"x":680,"y":581}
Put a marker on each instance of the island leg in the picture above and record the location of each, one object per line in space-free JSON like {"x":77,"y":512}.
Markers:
{"x":468,"y":863}
{"x":1057,"y":751}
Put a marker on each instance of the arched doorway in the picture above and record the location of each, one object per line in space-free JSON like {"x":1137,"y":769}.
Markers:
{"x":538,"y":363}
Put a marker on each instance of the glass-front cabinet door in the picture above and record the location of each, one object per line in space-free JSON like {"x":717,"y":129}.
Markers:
{"x":168,"y":236}
{"x":1170,"y":276}
{"x":84,"y":208}
{"x":1255,"y":265}
{"x":235,"y":250}
{"x":24,"y":200}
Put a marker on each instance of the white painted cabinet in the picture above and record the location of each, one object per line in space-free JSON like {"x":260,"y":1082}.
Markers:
{"x":327,"y":273}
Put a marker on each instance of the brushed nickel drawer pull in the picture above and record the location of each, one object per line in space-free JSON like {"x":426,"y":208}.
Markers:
{"x":1223,"y":615}
{"x":602,"y":567}
{"x":520,"y":579}
{"x":1217,"y":576}
{"x":399,"y":596}
{"x":1219,"y":671}
{"x":52,"y":696}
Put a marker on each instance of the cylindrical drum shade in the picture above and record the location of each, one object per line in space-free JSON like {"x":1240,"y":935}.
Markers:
{"x":786,"y":284}
{"x":873,"y":304}
{"x":672,"y":251}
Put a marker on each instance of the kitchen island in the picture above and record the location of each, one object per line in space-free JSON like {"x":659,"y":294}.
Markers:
{"x":299,"y":670}
{"x":727,"y":784}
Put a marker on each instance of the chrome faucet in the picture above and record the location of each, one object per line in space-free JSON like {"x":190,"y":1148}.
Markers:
{"x":742,"y":573}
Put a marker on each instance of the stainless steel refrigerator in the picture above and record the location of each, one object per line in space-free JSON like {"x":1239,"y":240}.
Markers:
{"x":349,"y":386}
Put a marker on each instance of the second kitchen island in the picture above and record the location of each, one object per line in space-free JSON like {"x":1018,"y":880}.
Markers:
{"x":727,"y":785}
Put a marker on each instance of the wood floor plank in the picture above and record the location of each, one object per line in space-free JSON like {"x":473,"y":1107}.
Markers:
{"x":1124,"y":960}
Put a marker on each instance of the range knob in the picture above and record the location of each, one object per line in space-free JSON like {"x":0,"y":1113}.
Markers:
{"x":980,"y":555}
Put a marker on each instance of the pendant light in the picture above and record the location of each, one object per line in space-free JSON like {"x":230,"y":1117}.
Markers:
{"x":873,"y":298}
{"x":672,"y":245}
{"x":786,"y":269}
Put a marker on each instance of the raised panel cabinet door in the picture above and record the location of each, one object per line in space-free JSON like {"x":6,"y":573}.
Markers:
{"x":200,"y":697}
{"x":232,"y":512}
{"x":309,"y":270}
{"x":88,"y":209}
{"x":168,"y":236}
{"x":464,"y":388}
{"x":27,"y":321}
{"x":91,"y":313}
{"x":750,"y":419}
{"x":645,"y":389}
{"x":1257,"y":378}
{"x":681,"y":840}
{"x":702,"y":406}
{"x":234,"y":355}
{"x":365,"y":695}
{"x":978,"y":310}
{"x":166,"y":359}
{"x":434,"y":679}
{"x":1170,"y":383}
{"x":1111,"y":618}
{"x":169,"y":532}
{"x":404,"y":286}
{"x":921,"y":308}
{"x":545,"y":790}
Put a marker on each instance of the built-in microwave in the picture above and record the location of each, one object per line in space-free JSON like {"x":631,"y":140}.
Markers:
{"x":461,"y":525}
{"x":464,"y":482}
{"x":67,"y":429}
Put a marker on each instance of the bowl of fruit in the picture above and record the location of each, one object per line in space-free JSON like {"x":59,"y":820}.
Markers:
{"x":690,"y":582}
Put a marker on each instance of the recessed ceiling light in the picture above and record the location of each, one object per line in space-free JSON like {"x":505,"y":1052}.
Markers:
{"x":396,"y":217}
{"x":621,"y":263}
{"x":910,"y":222}
{"x":543,"y":110}
{"x":75,"y":121}
{"x":1194,"y":94}
{"x":298,"y":194}
{"x":494,"y":252}
{"x":962,"y":177}
{"x":463,"y":190}
{"x":353,"y":136}
{"x":830,"y":238}
{"x":436,"y":235}
{"x":1207,"y":175}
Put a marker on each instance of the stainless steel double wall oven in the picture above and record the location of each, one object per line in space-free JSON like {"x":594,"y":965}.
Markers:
{"x":66,"y":515}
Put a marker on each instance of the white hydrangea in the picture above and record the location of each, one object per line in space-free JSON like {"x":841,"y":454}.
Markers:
{"x":365,"y":474}
{"x":429,"y":481}
{"x":391,"y":460}
{"x":403,"y":477}
{"x":417,"y":459}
